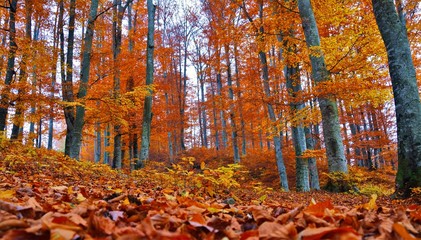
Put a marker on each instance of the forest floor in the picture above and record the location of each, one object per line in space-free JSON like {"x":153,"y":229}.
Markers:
{"x":44,"y":195}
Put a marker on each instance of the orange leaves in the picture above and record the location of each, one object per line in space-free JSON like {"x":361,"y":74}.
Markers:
{"x":318,"y":209}
{"x":345,"y":233}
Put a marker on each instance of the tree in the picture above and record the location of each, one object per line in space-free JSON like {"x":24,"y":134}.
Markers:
{"x":147,"y":110}
{"x":406,"y":96}
{"x":330,"y":120}
{"x":83,"y":86}
{"x":10,"y":71}
{"x":67,"y":81}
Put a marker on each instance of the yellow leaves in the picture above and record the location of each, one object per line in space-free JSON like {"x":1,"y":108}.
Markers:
{"x":316,"y":51}
{"x":7,"y":194}
{"x":371,"y":205}
{"x":80,"y":198}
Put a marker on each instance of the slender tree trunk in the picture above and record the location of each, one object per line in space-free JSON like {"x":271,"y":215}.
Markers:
{"x":10,"y":71}
{"x":234,"y":135}
{"x":32,"y":135}
{"x":215,"y":120}
{"x":406,"y":96}
{"x":67,"y":82}
{"x":84,"y":78}
{"x":312,"y":162}
{"x":243,"y":124}
{"x":147,"y":109}
{"x":272,"y":116}
{"x":97,"y":146}
{"x":170,"y":145}
{"x":19,"y":114}
{"x":106,"y":144}
{"x":330,"y":120}
{"x":117,"y":37}
{"x":292,"y":75}
{"x":221,"y":111}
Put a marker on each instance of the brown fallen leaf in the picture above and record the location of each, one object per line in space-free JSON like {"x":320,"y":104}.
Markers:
{"x":261,"y":215}
{"x":402,"y":232}
{"x":289,"y":215}
{"x":62,"y":234}
{"x":12,"y":223}
{"x":273,"y":230}
{"x":318,"y":221}
{"x":345,"y":233}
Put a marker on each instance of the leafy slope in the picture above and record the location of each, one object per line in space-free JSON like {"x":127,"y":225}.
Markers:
{"x":46,"y":196}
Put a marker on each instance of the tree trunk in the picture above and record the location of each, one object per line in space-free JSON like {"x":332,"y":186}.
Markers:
{"x":234,"y":135}
{"x":53,"y":82}
{"x":67,"y":82}
{"x":406,"y":96}
{"x":19,"y":114}
{"x":10,"y":71}
{"x":106,"y":144}
{"x":117,"y":37}
{"x":221,"y":111}
{"x":312,"y":162}
{"x":292,"y":75}
{"x":243,"y":124}
{"x":84,"y":78}
{"x":147,"y":109}
{"x":330,"y":120}
{"x":32,"y":135}
{"x":97,"y":146}
{"x":215,"y":120}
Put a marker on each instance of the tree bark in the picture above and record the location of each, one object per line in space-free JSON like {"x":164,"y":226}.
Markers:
{"x":84,"y":78}
{"x":330,"y":120}
{"x":147,"y":109}
{"x":406,"y":96}
{"x":10,"y":71}
{"x":117,"y":37}
{"x":67,"y":85}
{"x":19,"y":114}
{"x":234,"y":134}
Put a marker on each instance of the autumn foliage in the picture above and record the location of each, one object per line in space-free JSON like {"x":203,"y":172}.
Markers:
{"x":44,"y":195}
{"x":238,"y":146}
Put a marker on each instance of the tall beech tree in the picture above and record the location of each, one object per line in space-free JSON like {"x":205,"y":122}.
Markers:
{"x":406,"y":95}
{"x":83,"y":86}
{"x":67,"y":81}
{"x":329,"y":110}
{"x":10,"y":70}
{"x":147,"y":107}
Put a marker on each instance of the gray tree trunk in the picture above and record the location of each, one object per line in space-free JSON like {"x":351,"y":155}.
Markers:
{"x":10,"y":71}
{"x":215,"y":119}
{"x":32,"y":135}
{"x":312,"y":162}
{"x":19,"y":114}
{"x":234,"y":135}
{"x":330,"y":120}
{"x":117,"y":37}
{"x":97,"y":146}
{"x":292,"y":75}
{"x":147,"y":109}
{"x":53,"y":81}
{"x":106,"y":144}
{"x":67,"y":82}
{"x":272,"y":116}
{"x":406,"y":96}
{"x":221,"y":111}
{"x":243,"y":124}
{"x":84,"y":78}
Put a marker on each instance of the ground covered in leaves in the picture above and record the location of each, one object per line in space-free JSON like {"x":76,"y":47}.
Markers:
{"x":46,"y":196}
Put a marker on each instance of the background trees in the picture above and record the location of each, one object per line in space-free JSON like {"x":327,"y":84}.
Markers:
{"x":238,"y":79}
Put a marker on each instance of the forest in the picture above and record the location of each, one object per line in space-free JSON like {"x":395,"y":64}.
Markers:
{"x":210,"y":119}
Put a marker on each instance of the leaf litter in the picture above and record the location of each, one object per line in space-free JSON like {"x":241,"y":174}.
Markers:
{"x":47,"y":196}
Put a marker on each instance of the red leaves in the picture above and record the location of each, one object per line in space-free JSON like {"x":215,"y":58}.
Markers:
{"x":57,"y":208}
